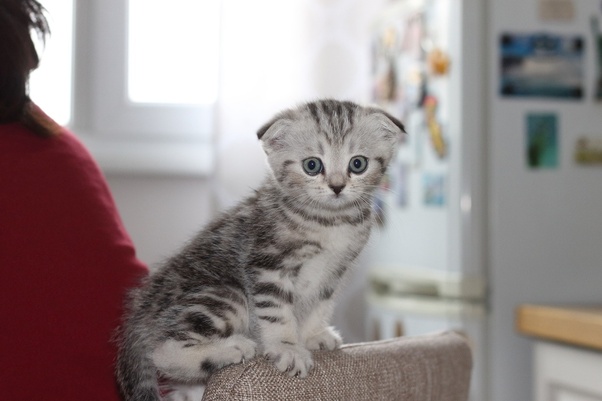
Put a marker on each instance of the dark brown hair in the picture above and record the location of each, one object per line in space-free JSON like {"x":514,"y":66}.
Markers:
{"x":18,"y":57}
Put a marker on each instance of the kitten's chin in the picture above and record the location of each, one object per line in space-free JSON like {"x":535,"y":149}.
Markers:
{"x":337,"y":203}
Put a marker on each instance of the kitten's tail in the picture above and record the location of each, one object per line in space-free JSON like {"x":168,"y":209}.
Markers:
{"x":135,"y":371}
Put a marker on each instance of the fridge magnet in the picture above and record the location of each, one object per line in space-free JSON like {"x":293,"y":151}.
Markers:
{"x":438,"y":62}
{"x":398,"y":61}
{"x":434,"y":189}
{"x":588,"y":151}
{"x":542,"y":65}
{"x":384,"y":69}
{"x":542,"y":140}
{"x":556,"y":10}
{"x":387,"y":84}
{"x":434,"y":127}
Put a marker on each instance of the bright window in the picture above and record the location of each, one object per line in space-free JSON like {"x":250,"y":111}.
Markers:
{"x":177,"y":62}
{"x":50,"y":85}
{"x":136,"y":80}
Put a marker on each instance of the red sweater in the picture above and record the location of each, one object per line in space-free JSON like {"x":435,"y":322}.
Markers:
{"x":65,"y":264}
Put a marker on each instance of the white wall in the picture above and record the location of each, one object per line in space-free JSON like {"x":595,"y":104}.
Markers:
{"x":545,"y":227}
{"x":161,"y":213}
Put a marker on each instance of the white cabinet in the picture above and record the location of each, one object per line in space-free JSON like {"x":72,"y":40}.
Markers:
{"x":565,"y":373}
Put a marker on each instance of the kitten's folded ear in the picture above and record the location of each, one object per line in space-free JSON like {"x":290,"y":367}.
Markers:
{"x":285,"y":116}
{"x":270,"y":134}
{"x":394,"y":120}
{"x":265,"y":127}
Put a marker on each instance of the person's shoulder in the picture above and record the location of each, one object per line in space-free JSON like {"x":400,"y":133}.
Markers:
{"x":66,"y":141}
{"x":15,"y":135}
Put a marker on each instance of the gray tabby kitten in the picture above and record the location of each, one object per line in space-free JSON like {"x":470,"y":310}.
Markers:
{"x":262,"y":277}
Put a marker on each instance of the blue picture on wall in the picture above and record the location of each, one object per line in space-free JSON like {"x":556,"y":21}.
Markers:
{"x":542,"y":140}
{"x":542,"y":65}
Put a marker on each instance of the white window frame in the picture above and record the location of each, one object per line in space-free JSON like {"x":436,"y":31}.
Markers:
{"x":127,"y":137}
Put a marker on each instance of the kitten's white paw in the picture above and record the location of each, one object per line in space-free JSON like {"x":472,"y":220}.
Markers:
{"x":293,"y":359}
{"x":238,"y":348}
{"x":185,"y":392}
{"x":327,"y":339}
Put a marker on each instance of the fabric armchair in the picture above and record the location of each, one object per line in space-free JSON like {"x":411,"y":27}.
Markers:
{"x":424,"y":368}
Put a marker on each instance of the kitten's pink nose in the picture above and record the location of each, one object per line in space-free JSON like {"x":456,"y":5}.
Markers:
{"x":337,"y":188}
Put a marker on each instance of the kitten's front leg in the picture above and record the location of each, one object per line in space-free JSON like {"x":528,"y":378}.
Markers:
{"x":317,"y":334}
{"x":279,"y":330}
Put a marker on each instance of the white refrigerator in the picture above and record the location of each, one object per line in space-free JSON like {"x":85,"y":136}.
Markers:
{"x":426,"y":260}
{"x":495,"y":200}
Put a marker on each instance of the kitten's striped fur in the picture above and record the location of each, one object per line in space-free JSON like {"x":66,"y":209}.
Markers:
{"x":262,"y":277}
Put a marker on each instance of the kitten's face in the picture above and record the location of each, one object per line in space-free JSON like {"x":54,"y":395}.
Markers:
{"x":328,"y":154}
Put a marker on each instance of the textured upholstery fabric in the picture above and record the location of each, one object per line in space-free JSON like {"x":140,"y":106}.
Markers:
{"x":425,"y":368}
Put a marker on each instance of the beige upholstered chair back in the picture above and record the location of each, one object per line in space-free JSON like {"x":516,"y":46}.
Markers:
{"x":425,"y":368}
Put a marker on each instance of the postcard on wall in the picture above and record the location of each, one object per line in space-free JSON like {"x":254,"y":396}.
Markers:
{"x":542,"y":65}
{"x":542,"y":140}
{"x":557,"y":10}
{"x":588,"y":151}
{"x":434,"y":189}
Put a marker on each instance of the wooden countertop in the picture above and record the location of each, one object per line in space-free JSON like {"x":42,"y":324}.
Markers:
{"x":580,"y":326}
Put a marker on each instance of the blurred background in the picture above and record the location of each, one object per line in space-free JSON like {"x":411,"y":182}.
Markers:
{"x":495,"y":198}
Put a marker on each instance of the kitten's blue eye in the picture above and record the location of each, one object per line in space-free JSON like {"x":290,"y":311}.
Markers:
{"x":358,"y":164}
{"x":312,"y":166}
